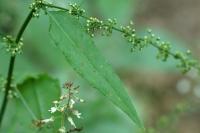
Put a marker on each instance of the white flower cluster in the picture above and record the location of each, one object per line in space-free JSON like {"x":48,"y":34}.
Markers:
{"x":41,"y":123}
{"x":66,"y":103}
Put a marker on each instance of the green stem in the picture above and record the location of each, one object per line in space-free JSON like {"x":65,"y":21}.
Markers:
{"x":11,"y":66}
{"x":54,"y":6}
{"x":114,"y":28}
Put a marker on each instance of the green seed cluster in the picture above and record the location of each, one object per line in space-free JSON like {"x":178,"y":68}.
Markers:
{"x":164,"y":52}
{"x":36,"y":6}
{"x":108,"y":27}
{"x":93,"y":25}
{"x":129,"y":33}
{"x":185,"y":63}
{"x":105,"y":28}
{"x":12,"y":47}
{"x":164,"y":49}
{"x":75,"y":10}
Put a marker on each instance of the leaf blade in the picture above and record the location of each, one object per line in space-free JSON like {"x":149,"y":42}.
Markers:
{"x":34,"y":91}
{"x":84,"y":57}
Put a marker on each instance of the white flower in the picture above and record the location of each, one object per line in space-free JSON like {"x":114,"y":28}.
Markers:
{"x":53,"y":110}
{"x":81,"y":100}
{"x":72,"y":102}
{"x":62,"y":130}
{"x":62,"y":109}
{"x":76,"y":113}
{"x":62,"y":97}
{"x":55,"y":102}
{"x":71,"y":121}
{"x":48,"y":120}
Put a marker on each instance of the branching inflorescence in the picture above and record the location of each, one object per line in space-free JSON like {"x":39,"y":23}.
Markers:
{"x":65,"y":105}
{"x":106,"y":28}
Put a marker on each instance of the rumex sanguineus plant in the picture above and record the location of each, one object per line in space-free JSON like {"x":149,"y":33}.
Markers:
{"x":80,"y":52}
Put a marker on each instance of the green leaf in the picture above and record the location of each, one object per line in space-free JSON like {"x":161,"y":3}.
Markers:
{"x":37,"y":94}
{"x":81,"y":53}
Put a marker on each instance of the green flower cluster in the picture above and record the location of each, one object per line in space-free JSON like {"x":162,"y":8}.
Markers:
{"x":129,"y":33}
{"x":94,"y":25}
{"x":106,"y":28}
{"x":163,"y":47}
{"x":36,"y":7}
{"x":75,"y":10}
{"x":11,"y":46}
{"x":164,"y":50}
{"x":185,"y":63}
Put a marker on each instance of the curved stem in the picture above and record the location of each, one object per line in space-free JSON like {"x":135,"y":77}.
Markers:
{"x":11,"y":66}
{"x":114,"y":28}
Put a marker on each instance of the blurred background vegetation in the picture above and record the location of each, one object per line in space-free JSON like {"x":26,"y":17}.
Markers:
{"x":167,"y":101}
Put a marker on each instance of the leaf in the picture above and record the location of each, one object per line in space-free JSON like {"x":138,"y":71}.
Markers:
{"x":81,"y":53}
{"x":38,"y":94}
{"x":100,"y":116}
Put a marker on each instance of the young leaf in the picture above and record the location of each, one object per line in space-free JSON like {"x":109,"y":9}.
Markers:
{"x":81,"y":53}
{"x":35,"y":99}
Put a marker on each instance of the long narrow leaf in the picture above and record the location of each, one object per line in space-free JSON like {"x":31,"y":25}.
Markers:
{"x":81,"y":53}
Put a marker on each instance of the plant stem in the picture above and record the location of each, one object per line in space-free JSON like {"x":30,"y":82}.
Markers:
{"x":11,"y":66}
{"x":114,"y":28}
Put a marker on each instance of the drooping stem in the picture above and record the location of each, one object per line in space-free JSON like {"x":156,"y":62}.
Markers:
{"x":11,"y":66}
{"x":185,"y":62}
{"x":85,"y":17}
